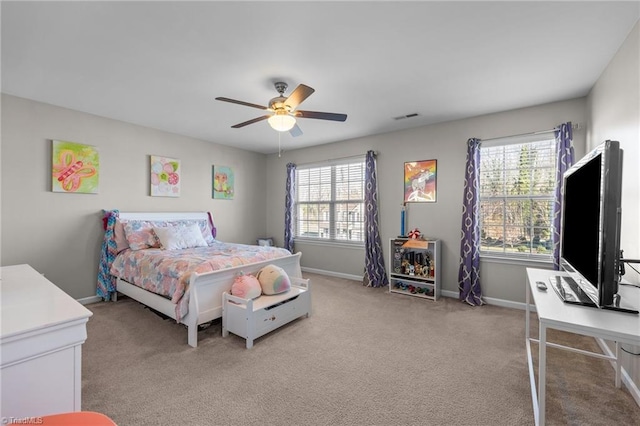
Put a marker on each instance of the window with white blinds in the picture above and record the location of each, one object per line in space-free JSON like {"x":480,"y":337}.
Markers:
{"x":330,"y":201}
{"x":517,"y":187}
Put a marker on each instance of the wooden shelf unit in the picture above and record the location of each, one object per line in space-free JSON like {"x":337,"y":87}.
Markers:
{"x":415,"y":267}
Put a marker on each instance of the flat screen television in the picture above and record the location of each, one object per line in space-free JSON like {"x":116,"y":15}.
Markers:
{"x":590,"y":229}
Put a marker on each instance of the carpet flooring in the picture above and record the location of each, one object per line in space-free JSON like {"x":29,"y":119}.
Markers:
{"x":364,"y":357}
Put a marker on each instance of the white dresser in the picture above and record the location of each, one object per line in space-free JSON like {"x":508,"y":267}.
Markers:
{"x":42,"y":331}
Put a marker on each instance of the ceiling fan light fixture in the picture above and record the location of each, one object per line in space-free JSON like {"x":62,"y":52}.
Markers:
{"x":281,"y":121}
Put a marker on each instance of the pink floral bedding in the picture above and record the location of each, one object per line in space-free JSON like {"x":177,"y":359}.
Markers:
{"x":167,"y":272}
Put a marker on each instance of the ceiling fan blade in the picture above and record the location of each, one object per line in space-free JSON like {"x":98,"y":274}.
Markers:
{"x":295,"y":130}
{"x":233,"y":101}
{"x":246,"y":123}
{"x":321,"y":115}
{"x":301,"y":93}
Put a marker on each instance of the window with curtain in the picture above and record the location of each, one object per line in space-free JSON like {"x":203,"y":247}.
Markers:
{"x":329,"y":203}
{"x":517,"y":188}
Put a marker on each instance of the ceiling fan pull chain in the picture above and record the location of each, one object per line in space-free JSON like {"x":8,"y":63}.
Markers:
{"x":279,"y":149}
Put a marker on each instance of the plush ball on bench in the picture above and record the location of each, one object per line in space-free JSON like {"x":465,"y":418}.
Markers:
{"x":273,"y":280}
{"x":246,"y":287}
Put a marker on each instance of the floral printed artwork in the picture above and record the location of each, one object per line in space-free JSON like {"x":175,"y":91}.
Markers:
{"x":165,"y":177}
{"x":74,"y":168}
{"x":222,"y":182}
{"x":420,"y":181}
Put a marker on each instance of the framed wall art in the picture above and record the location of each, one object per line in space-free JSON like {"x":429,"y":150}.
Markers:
{"x":74,"y":168}
{"x":420,"y":181}
{"x":223,"y":182}
{"x":165,"y":176}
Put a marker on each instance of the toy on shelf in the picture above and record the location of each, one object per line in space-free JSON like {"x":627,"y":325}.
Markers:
{"x":414,"y":234}
{"x":415,"y":240}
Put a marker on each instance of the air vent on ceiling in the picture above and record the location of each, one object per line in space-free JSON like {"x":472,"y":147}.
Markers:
{"x":415,"y":114}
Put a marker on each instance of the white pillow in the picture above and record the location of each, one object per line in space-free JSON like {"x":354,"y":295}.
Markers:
{"x":180,"y":237}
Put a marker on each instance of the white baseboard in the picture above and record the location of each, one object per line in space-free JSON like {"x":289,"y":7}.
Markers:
{"x":333,"y":274}
{"x":444,"y":293}
{"x":493,"y":301}
{"x":89,"y":300}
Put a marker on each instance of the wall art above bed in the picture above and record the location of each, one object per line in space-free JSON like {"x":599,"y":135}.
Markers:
{"x":165,"y":176}
{"x":74,"y":167}
{"x":223,"y":182}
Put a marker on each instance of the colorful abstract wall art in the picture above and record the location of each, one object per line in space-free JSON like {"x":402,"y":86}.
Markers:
{"x":222,"y":182}
{"x":75,"y":168}
{"x":420,"y":181}
{"x":165,"y":177}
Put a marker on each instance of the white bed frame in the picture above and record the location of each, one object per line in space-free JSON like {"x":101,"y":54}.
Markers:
{"x":205,"y":290}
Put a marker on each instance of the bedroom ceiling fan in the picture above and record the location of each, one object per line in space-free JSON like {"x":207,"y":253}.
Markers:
{"x":283,"y":112}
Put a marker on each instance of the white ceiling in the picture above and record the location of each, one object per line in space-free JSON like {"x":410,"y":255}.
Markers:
{"x":161,"y":64}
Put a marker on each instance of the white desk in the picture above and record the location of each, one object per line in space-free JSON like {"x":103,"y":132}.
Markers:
{"x":42,"y":331}
{"x":553,"y":313}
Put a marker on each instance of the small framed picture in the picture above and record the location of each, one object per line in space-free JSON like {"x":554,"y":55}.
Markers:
{"x":265,"y":242}
{"x":420,"y":181}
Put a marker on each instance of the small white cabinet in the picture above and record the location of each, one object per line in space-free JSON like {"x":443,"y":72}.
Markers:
{"x":253,"y":318}
{"x":415,"y":267}
{"x":43,"y":329}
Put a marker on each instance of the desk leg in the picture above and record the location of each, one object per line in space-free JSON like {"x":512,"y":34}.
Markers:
{"x":542,"y":367}
{"x":528,"y":313}
{"x":618,"y":366}
{"x":532,"y":378}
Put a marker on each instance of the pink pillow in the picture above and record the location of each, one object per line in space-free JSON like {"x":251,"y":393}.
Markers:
{"x":140,"y":235}
{"x":246,"y":287}
{"x":120,"y":237}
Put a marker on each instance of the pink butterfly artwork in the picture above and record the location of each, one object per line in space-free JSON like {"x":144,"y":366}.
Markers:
{"x":69,"y":171}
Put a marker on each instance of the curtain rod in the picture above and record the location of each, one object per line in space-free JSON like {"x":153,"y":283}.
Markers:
{"x":574,"y":126}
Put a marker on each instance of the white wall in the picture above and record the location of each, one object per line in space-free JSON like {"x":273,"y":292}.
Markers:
{"x":60,"y":234}
{"x":445,"y":142}
{"x":614,"y":113}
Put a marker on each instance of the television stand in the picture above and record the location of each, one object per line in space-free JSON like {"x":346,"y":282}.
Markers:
{"x":619,"y":308}
{"x":569,"y":292}
{"x":551,"y":313}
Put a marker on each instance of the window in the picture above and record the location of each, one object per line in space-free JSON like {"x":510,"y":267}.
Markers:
{"x":329,"y":203}
{"x":517,"y":190}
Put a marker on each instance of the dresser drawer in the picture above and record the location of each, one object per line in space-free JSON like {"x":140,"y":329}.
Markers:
{"x":270,"y":318}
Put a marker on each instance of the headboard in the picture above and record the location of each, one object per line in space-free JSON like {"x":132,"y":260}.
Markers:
{"x":169,"y":216}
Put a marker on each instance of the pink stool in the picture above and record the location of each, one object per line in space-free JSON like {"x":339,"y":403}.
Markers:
{"x":79,"y":418}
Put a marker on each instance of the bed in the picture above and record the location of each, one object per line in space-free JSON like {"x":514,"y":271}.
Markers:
{"x":191,"y":280}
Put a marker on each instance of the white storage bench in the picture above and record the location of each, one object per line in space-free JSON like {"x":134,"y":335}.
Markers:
{"x":253,"y":318}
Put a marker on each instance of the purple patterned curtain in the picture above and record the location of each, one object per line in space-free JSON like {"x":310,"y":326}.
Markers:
{"x":469,"y":272}
{"x":288,"y":206}
{"x":375,"y":274}
{"x":564,"y":153}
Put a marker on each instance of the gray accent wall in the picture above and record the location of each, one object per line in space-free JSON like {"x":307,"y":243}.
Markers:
{"x":59,"y":234}
{"x":445,"y":142}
